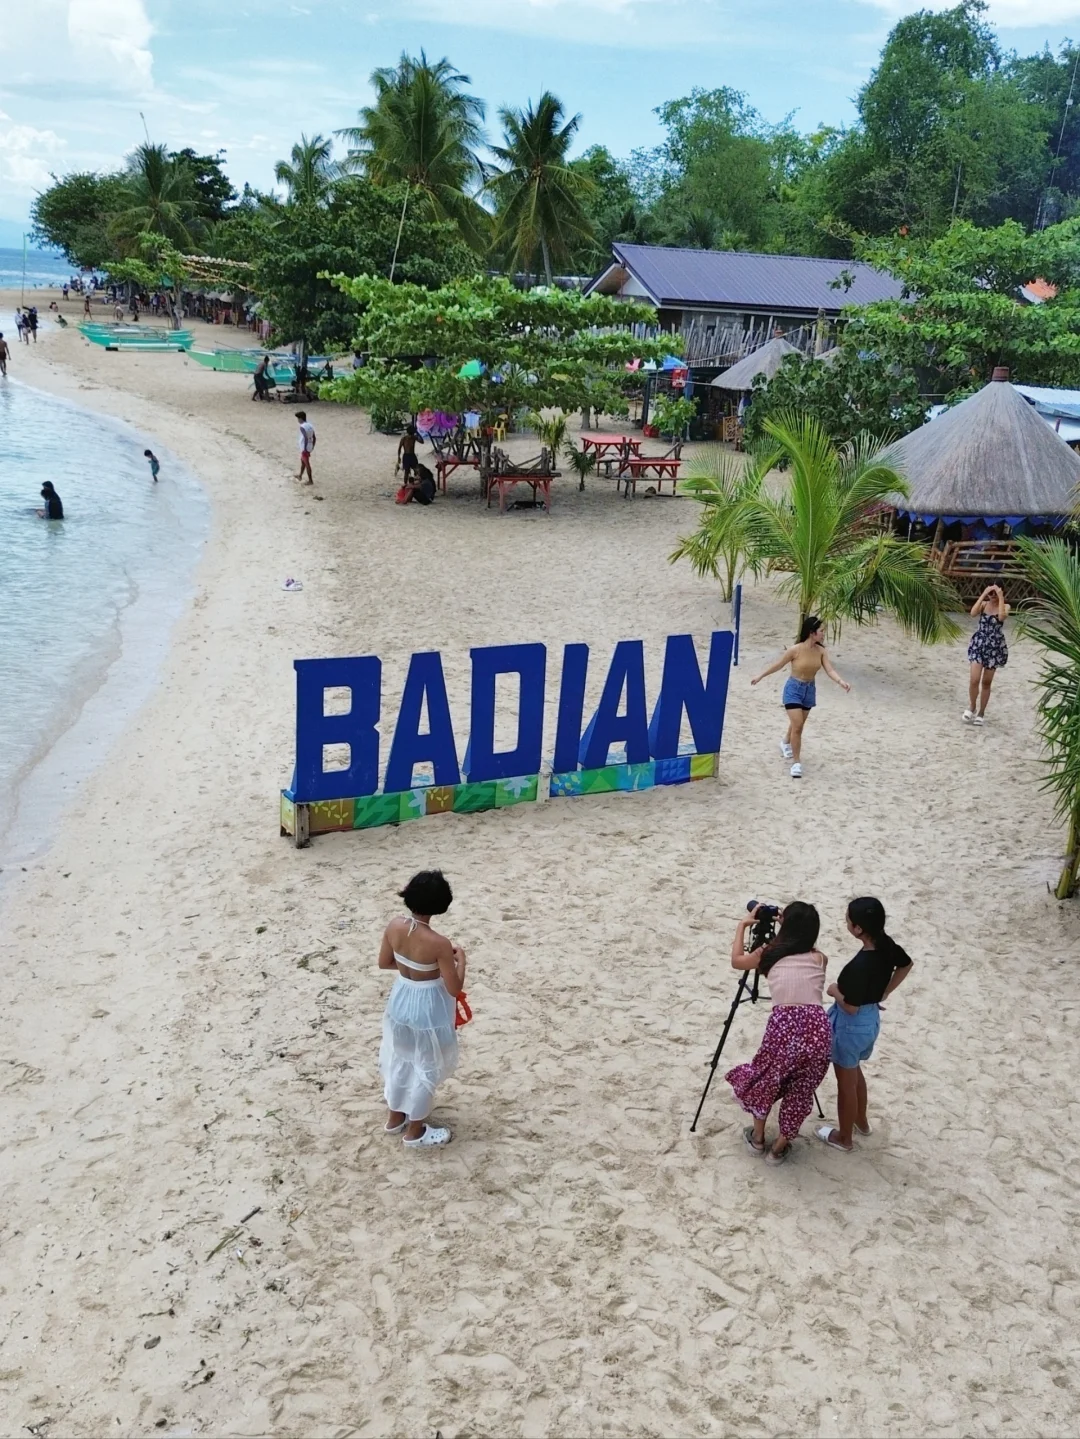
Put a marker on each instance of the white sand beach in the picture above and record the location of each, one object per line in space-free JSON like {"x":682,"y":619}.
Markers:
{"x":193,"y":1011}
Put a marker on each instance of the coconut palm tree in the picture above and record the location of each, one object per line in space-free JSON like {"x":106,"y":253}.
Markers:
{"x":723,"y":481}
{"x":538,"y":194}
{"x":159,"y":198}
{"x":1053,"y":622}
{"x":423,"y":131}
{"x":823,"y":532}
{"x":309,"y":174}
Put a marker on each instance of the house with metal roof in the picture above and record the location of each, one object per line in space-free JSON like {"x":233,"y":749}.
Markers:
{"x":696,"y":291}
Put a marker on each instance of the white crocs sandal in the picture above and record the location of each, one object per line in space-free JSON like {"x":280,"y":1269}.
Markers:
{"x":825,"y":1134}
{"x":430,"y":1137}
{"x":397,"y":1128}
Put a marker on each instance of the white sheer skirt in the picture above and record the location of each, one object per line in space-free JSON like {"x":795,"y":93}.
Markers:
{"x":419,"y":1045}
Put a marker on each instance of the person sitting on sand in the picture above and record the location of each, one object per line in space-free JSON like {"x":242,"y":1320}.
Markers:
{"x":793,"y":1057}
{"x":855,"y":1017}
{"x":800,"y":690}
{"x":987,"y":652}
{"x":54,"y":508}
{"x":422,"y":489}
{"x":419,"y":1043}
{"x":406,"y":452}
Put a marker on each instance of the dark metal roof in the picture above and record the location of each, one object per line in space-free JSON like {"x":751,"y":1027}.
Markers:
{"x":741,"y":280}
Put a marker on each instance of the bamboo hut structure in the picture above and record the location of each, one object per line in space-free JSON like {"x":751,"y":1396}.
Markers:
{"x":766,"y":361}
{"x":979,"y":473}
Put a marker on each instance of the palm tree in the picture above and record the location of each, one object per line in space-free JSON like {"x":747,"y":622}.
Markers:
{"x":538,"y":193}
{"x":159,"y":198}
{"x":1053,"y":622}
{"x":423,"y":131}
{"x":309,"y":174}
{"x":823,"y":531}
{"x":724,"y":481}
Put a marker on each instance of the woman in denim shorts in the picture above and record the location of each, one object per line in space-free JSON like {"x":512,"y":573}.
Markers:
{"x":800,"y":690}
{"x":855,"y":1017}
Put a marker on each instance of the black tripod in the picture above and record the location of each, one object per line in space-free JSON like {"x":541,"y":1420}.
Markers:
{"x":747,"y":992}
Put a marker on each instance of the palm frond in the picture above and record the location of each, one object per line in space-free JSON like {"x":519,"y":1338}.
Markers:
{"x":882,"y":573}
{"x":1053,"y":622}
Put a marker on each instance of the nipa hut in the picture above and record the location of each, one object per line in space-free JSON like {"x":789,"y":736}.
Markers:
{"x":980,"y":473}
{"x":765,"y":361}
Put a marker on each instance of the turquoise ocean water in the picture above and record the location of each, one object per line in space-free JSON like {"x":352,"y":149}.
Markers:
{"x":88,"y":603}
{"x":42,"y":269}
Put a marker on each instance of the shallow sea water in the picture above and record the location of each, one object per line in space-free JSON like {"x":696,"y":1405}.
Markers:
{"x":87,"y":603}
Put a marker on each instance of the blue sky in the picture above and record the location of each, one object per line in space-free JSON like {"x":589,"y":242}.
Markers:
{"x":249,"y":77}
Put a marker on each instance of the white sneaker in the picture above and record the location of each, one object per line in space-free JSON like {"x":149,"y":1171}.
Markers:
{"x":430,"y":1136}
{"x":796,"y":771}
{"x":785,"y":749}
{"x":969,"y":716}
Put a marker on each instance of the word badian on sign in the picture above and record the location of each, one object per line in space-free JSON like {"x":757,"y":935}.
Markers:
{"x":622,"y":746}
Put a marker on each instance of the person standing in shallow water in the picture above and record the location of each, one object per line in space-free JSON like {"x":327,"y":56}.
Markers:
{"x":54,"y":507}
{"x":419,"y":1042}
{"x":987,"y":652}
{"x":800,"y":691}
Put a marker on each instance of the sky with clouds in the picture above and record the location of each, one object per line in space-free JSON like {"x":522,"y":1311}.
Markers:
{"x":77,"y":76}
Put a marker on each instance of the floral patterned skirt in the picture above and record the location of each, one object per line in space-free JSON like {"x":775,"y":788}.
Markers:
{"x":790,"y":1064}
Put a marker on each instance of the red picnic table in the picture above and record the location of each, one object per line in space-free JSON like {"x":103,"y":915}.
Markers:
{"x":640,"y":467}
{"x":610,"y":447}
{"x":448,"y":464}
{"x":505,"y":483}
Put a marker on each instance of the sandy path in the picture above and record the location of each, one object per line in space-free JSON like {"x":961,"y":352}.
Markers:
{"x":193,"y":1016}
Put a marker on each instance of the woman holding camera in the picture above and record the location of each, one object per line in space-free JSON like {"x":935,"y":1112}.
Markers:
{"x":419,"y":1044}
{"x":855,"y":1017}
{"x":793,"y":1057}
{"x":987,"y":652}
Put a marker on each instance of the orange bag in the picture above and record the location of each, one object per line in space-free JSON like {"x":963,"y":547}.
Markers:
{"x":464,"y":1013}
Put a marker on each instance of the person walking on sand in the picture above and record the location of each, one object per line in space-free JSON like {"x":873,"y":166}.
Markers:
{"x":855,"y":1017}
{"x":154,"y":463}
{"x":793,"y":1057}
{"x":800,"y":689}
{"x":305,"y":440}
{"x":419,"y":1041}
{"x":5,"y":354}
{"x":406,"y":453}
{"x":987,"y":652}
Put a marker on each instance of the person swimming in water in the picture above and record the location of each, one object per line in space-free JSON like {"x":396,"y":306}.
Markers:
{"x":54,"y":507}
{"x":800,"y":690}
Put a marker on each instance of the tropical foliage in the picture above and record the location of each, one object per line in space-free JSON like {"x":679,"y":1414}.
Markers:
{"x":537,"y":349}
{"x":821,"y":531}
{"x":538,"y":195}
{"x":310,"y":171}
{"x":719,"y":548}
{"x":1053,"y":622}
{"x":849,"y":393}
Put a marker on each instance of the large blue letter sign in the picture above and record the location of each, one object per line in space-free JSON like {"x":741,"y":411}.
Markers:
{"x":575,"y":669}
{"x":481,"y":760}
{"x":358,"y":728}
{"x":409,"y":747}
{"x":607,"y":725}
{"x":682,"y":688}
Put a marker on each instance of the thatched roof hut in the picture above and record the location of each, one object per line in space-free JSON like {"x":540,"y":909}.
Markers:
{"x":765,"y":361}
{"x":992,"y":458}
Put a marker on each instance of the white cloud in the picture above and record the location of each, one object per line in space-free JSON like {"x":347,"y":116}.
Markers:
{"x":1015,"y":14}
{"x":116,"y":34}
{"x":26,"y":155}
{"x":85,"y":44}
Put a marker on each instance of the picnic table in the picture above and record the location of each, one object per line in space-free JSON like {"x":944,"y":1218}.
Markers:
{"x":640,"y":467}
{"x":449,"y":463}
{"x":609,"y":448}
{"x":504,"y":483}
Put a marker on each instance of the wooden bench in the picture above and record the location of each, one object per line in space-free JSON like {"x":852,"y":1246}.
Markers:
{"x":504,"y":484}
{"x":971,"y":565}
{"x":641,"y":467}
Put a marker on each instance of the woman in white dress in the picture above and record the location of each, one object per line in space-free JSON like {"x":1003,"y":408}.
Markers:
{"x":419,"y":1044}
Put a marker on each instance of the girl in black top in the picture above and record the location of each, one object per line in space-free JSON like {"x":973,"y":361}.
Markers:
{"x":855,"y":1018}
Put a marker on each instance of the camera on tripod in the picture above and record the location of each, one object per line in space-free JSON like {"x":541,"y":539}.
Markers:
{"x":765,"y":922}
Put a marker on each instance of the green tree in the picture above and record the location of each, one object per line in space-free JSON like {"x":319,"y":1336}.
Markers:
{"x":539,"y":349}
{"x":357,"y":232}
{"x":821,"y":531}
{"x":539,"y":197}
{"x":212,"y":186}
{"x":719,"y":548}
{"x":962,"y":314}
{"x":850,"y":394}
{"x":1054,"y":623}
{"x":945,"y":132}
{"x":74,"y":215}
{"x":611,"y":206}
{"x":423,"y":132}
{"x":158,"y":197}
{"x":309,"y":174}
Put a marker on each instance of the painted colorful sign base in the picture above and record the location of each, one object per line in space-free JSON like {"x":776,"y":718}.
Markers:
{"x":372,"y":810}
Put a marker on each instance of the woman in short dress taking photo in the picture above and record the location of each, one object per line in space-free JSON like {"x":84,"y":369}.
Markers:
{"x":793,"y":1057}
{"x":987,"y":652}
{"x":419,"y":1044}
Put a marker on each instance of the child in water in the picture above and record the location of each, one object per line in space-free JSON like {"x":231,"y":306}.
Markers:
{"x":155,"y":463}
